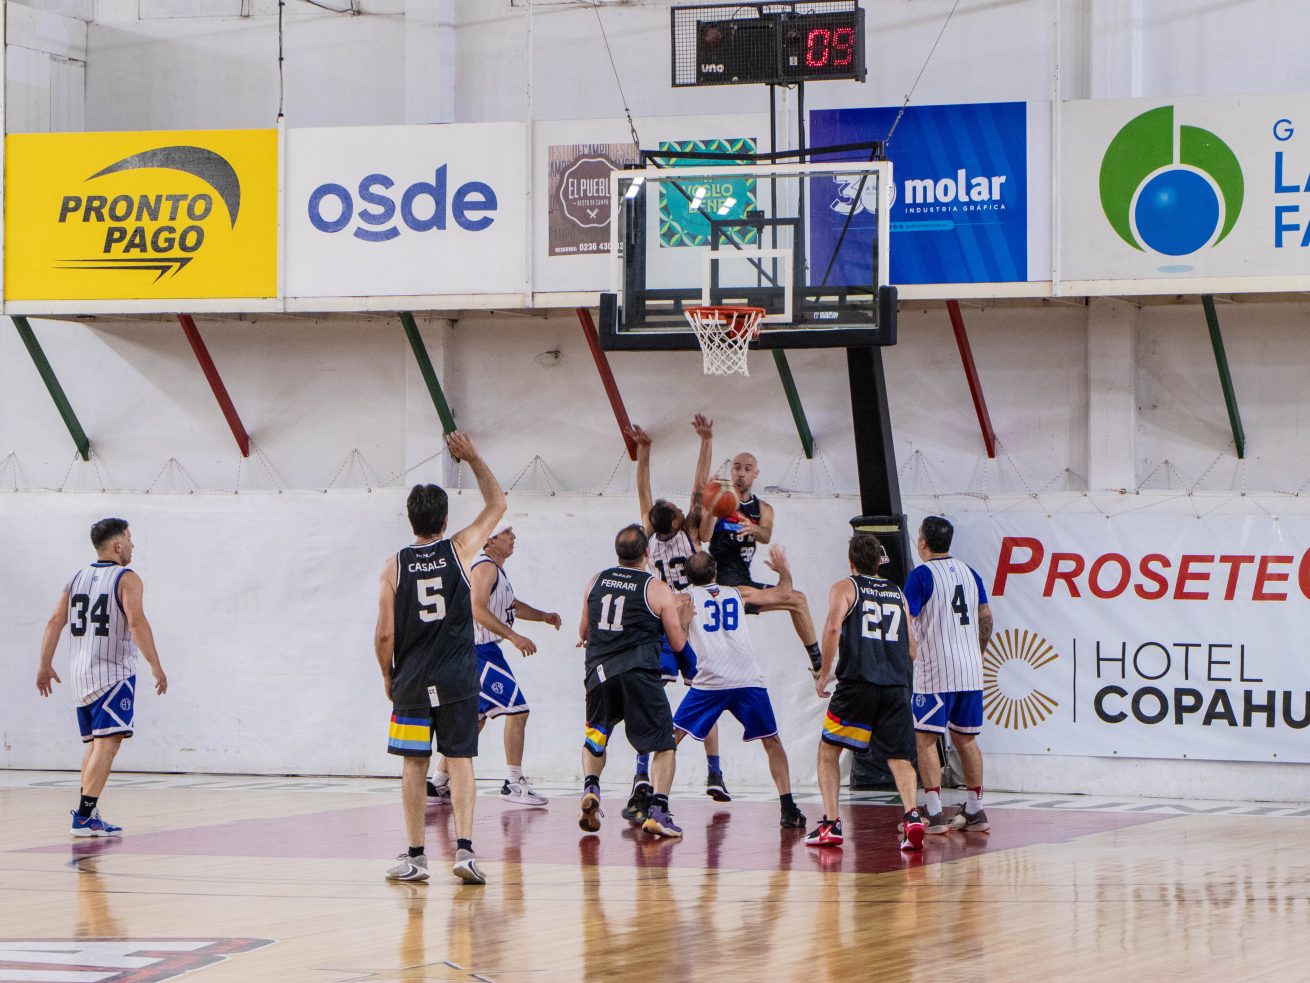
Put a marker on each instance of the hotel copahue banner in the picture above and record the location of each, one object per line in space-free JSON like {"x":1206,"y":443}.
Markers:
{"x":148,"y":215}
{"x":1145,"y":636}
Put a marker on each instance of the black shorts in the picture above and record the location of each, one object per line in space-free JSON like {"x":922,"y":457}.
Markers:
{"x":453,"y":726}
{"x":729,"y":577}
{"x":868,"y":717}
{"x":636,"y":697}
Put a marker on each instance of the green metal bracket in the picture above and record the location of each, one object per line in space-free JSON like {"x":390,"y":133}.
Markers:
{"x":794,"y":401}
{"x":429,"y":373}
{"x":1225,"y":376}
{"x":52,"y":384}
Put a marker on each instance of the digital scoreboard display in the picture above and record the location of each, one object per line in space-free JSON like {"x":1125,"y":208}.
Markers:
{"x":781,"y":48}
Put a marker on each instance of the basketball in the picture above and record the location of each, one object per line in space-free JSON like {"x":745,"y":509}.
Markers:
{"x":720,"y":499}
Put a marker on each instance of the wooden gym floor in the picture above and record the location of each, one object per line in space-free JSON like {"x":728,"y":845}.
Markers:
{"x":252,"y":879}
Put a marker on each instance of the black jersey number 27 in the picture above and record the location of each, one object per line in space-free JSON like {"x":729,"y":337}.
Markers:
{"x":959,"y":605}
{"x":98,"y":614}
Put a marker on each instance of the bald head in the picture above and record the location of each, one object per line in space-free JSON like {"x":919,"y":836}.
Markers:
{"x":744,"y":472}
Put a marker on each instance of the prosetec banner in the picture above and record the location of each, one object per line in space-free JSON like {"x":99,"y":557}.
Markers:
{"x":1154,"y":192}
{"x":406,"y":210}
{"x":141,"y":216}
{"x":1146,"y":636}
{"x":959,"y":197}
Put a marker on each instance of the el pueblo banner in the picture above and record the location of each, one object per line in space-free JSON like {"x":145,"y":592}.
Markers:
{"x":406,"y":210}
{"x":151,"y":215}
{"x":1146,"y":636}
{"x":1162,"y":190}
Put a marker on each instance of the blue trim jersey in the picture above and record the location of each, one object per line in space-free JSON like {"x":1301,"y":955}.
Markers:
{"x":104,"y":653}
{"x":725,"y":658}
{"x":668,"y":558}
{"x":944,"y":596}
{"x":433,"y":661}
{"x":500,"y":602}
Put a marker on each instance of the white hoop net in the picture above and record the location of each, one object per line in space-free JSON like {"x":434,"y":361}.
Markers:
{"x":725,"y":334}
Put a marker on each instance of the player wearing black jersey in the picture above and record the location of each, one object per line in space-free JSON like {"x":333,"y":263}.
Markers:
{"x":732,"y":541}
{"x":673,"y":539}
{"x":868,"y":635}
{"x":626,"y":615}
{"x":424,"y":647}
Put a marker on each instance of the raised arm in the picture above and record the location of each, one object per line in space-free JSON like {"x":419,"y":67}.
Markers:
{"x":704,"y":428}
{"x":384,"y":635}
{"x":45,"y":673}
{"x":644,"y":497}
{"x":840,"y":598}
{"x":469,"y":540}
{"x":131,"y":592}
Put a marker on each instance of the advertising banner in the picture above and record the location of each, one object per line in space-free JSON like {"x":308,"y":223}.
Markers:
{"x":141,"y":216}
{"x":1145,"y":636}
{"x":1158,"y":192}
{"x":682,"y":222}
{"x":406,"y":210}
{"x":959,"y":200}
{"x":579,"y":195}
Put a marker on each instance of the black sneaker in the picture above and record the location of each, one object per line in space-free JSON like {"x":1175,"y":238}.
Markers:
{"x":827,"y":833}
{"x":792,"y":818}
{"x":639,"y":804}
{"x":935,"y":824}
{"x":715,"y":788}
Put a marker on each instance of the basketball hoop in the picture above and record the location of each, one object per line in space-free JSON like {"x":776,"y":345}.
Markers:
{"x":725,"y":334}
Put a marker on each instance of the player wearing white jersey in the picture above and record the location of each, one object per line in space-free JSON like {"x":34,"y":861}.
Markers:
{"x":728,"y":679}
{"x":673,"y":539}
{"x":101,"y":605}
{"x":953,"y":624}
{"x":495,"y":609}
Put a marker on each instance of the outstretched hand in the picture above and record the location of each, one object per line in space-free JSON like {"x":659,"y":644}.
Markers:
{"x":777,"y":560}
{"x":461,"y":446}
{"x":703,"y":426}
{"x":639,"y":435}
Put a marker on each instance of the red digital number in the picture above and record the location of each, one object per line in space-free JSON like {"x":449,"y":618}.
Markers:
{"x":818,"y":47}
{"x":843,"y":46}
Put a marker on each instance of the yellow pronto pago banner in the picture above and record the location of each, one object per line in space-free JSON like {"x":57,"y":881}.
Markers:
{"x":141,"y":216}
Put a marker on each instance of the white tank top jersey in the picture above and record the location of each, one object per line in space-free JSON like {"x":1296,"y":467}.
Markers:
{"x":725,"y":658}
{"x":501,"y":602}
{"x":946,"y":627}
{"x":668,"y":558}
{"x":103,"y":651}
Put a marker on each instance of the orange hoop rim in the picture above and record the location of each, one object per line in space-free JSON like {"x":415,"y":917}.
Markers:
{"x":730,"y":315}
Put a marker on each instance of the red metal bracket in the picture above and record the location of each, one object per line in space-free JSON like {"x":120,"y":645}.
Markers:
{"x":971,"y":374}
{"x":215,"y":383}
{"x":607,"y":379}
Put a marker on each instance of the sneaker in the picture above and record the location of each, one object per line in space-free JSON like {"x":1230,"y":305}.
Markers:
{"x":635,"y":811}
{"x":912,"y":828}
{"x":936,"y":824}
{"x":971,"y":822}
{"x":827,"y":833}
{"x":466,"y":868}
{"x":520,"y":793}
{"x":715,"y":789}
{"x":660,"y":822}
{"x":792,"y":819}
{"x":438,"y":795}
{"x":92,"y":825}
{"x":407,"y":868}
{"x":591,"y":816}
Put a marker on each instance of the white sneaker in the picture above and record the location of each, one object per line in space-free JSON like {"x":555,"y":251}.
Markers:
{"x":466,"y":868}
{"x":521,"y":793}
{"x":407,"y":868}
{"x":438,"y":795}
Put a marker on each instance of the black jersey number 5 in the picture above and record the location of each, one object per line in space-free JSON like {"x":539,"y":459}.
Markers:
{"x":431,"y":602}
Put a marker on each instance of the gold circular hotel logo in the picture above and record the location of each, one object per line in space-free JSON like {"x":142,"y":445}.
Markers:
{"x":1003,"y":707}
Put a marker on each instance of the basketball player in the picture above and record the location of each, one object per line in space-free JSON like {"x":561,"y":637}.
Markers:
{"x":495,"y":609}
{"x":674,"y":538}
{"x":101,"y":606}
{"x":868,"y":634}
{"x":728,"y":679}
{"x":953,"y":622}
{"x":424,"y":647}
{"x":732,"y":544}
{"x":625,"y":617}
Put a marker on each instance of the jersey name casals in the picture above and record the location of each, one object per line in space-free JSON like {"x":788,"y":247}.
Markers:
{"x":733,"y":551}
{"x":668,"y":558}
{"x":434,"y":628}
{"x":875,"y":635}
{"x":103,"y":651}
{"x":500,"y":602}
{"x":622,"y":631}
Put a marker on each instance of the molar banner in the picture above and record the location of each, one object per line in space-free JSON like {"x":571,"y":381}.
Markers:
{"x":141,"y":216}
{"x":1145,"y":636}
{"x":406,"y":210}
